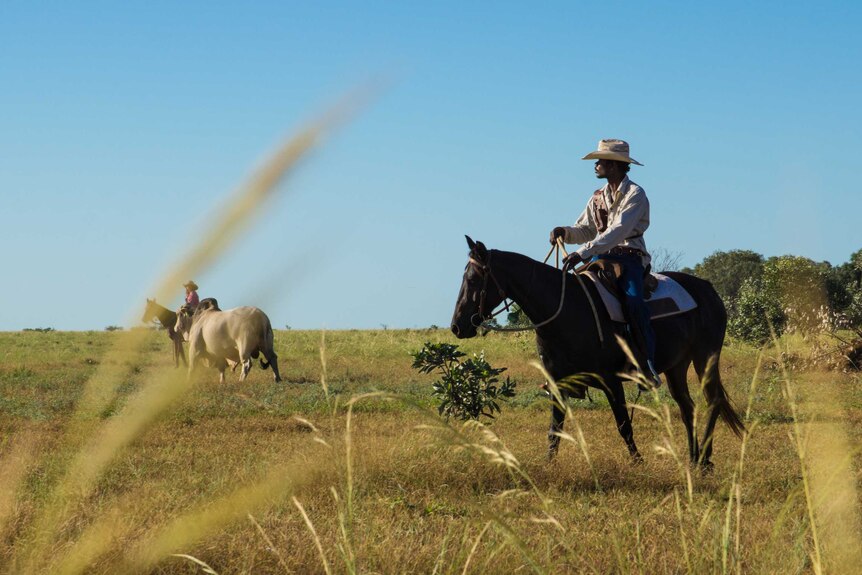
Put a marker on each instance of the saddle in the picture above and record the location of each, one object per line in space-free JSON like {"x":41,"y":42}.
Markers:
{"x":666,"y":296}
{"x":609,"y":273}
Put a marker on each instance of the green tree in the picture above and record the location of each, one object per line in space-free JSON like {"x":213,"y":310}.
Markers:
{"x":516,"y":317}
{"x":799,"y":286}
{"x":727,"y":271}
{"x":757,"y":308}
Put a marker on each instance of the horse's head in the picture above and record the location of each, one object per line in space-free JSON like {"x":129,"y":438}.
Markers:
{"x":479,"y":293}
{"x":149,"y":311}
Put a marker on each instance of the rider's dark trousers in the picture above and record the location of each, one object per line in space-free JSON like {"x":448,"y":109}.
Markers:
{"x":632,"y":285}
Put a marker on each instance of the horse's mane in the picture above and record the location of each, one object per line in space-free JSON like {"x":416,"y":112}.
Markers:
{"x":526,"y":262}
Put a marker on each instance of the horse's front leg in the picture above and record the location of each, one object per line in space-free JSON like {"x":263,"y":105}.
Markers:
{"x":179,"y":351}
{"x":617,"y":399}
{"x":558,"y":416}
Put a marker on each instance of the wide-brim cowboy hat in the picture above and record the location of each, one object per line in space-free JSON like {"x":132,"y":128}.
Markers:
{"x":191,"y":285}
{"x":612,"y":150}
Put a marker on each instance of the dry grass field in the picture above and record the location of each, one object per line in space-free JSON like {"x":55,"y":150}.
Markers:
{"x":111,"y":463}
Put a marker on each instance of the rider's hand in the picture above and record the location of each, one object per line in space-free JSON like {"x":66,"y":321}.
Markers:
{"x":571,"y":261}
{"x":558,"y":232}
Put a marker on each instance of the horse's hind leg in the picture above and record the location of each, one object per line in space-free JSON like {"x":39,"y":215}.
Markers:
{"x":678,"y":385}
{"x":558,"y":416}
{"x":707,"y":372}
{"x":617,"y":399}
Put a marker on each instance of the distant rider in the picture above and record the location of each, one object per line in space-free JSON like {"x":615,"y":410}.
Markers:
{"x":192,"y":298}
{"x":612,"y":228}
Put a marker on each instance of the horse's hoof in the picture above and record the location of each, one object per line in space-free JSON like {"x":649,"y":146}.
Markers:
{"x":637,"y":459}
{"x":707,"y":468}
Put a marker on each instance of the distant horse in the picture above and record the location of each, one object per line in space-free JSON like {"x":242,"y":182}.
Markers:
{"x":570,"y":344}
{"x":168,"y":319}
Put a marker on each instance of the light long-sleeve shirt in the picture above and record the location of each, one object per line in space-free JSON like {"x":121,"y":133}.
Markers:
{"x":628,"y":219}
{"x":192,"y":298}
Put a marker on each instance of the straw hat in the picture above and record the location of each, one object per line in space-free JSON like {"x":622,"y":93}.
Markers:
{"x":612,"y":150}
{"x":192,"y":286}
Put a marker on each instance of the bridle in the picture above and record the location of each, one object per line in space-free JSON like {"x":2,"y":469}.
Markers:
{"x":486,"y":273}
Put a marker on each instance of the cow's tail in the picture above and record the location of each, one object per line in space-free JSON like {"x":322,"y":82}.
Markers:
{"x":268,"y":345}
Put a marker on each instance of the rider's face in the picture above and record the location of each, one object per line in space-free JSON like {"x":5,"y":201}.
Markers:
{"x":603,"y":168}
{"x":607,"y":169}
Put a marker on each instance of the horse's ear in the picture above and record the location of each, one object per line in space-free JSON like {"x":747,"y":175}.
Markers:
{"x":470,"y":243}
{"x":480,"y":250}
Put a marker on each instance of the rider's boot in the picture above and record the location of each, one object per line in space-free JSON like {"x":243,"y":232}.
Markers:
{"x":648,"y":377}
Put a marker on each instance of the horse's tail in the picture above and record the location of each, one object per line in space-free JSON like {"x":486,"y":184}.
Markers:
{"x":716,"y":395}
{"x":712,"y":327}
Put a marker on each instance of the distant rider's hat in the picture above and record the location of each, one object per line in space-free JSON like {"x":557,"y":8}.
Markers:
{"x":191,"y":285}
{"x":612,"y":150}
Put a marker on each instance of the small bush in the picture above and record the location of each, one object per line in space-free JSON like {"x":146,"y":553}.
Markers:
{"x":468,"y":389}
{"x":756,"y":309}
{"x":113,"y":328}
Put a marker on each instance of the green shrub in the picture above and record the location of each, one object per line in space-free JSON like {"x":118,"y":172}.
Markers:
{"x":756,"y":308}
{"x":467,"y":389}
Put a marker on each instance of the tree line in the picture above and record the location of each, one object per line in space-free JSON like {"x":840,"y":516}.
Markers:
{"x":784,"y":293}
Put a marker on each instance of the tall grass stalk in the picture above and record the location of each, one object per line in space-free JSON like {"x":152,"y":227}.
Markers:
{"x":314,"y":536}
{"x":202,"y":564}
{"x":235,"y":216}
{"x":89,"y":463}
{"x":474,"y":547}
{"x":683,"y":539}
{"x":212,"y":516}
{"x":16,"y":463}
{"x":798,"y":436}
{"x":444,"y":547}
{"x":323,"y":383}
{"x":269,"y":544}
{"x":832,"y":502}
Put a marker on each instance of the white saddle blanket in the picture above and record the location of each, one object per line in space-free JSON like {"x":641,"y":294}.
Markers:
{"x":668,"y":299}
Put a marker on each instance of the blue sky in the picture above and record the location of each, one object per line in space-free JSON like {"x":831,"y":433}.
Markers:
{"x":122,"y":125}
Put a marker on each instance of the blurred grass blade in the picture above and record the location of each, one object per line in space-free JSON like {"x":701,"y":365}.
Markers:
{"x":235,"y":216}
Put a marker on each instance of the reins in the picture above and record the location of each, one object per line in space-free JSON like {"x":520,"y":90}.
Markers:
{"x":488,"y":273}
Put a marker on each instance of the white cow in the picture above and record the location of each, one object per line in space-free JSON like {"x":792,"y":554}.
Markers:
{"x":231,"y":336}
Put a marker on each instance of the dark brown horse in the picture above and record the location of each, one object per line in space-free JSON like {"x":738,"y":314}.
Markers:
{"x":168,"y":319}
{"x":569,"y":344}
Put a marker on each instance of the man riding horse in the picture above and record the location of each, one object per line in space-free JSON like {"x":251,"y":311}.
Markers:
{"x":611,"y":228}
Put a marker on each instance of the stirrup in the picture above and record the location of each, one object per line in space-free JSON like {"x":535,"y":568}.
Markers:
{"x":653,"y":375}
